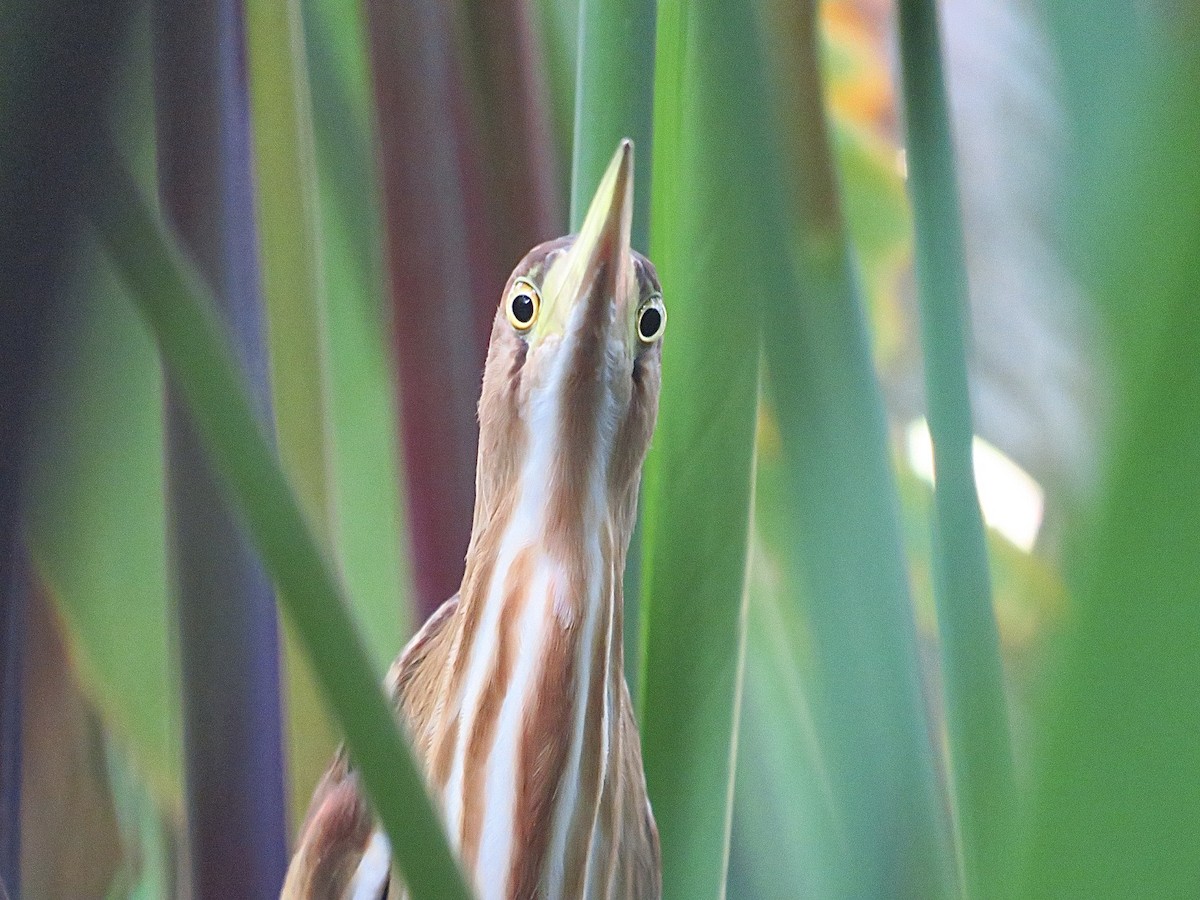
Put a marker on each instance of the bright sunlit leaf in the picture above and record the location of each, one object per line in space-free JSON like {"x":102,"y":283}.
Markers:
{"x":1012,"y":502}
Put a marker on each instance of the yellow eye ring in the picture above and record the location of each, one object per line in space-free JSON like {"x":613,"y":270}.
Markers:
{"x":522,"y":306}
{"x":651,"y":320}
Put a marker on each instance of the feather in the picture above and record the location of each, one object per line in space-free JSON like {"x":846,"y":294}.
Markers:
{"x":339,"y":852}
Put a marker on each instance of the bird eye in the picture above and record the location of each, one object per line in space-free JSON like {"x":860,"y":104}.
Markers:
{"x":651,"y":320}
{"x":523,"y":305}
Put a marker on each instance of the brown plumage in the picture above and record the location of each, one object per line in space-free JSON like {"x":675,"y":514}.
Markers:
{"x":513,"y":693}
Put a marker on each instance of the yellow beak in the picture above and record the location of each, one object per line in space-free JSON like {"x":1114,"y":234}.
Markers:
{"x":598,"y":268}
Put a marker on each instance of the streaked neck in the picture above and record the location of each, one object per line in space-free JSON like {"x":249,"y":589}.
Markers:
{"x":526,"y":734}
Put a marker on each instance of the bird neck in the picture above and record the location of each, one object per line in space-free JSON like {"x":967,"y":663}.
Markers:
{"x":535,"y":689}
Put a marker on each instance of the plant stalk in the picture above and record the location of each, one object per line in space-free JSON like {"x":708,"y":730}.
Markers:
{"x":972,"y":672}
{"x":229,"y":642}
{"x":173,"y":301}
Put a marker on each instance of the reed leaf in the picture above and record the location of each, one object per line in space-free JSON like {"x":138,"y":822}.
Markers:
{"x":366,"y":456}
{"x":171,"y":298}
{"x":97,"y":494}
{"x":290,"y":262}
{"x":291,"y":259}
{"x":1113,"y":811}
{"x":95,"y":485}
{"x":785,"y":828}
{"x":700,"y":472}
{"x":614,"y":99}
{"x":980,"y":755}
{"x":845,"y":558}
{"x":64,"y":769}
{"x":557,"y":22}
{"x":52,"y":114}
{"x":229,"y":640}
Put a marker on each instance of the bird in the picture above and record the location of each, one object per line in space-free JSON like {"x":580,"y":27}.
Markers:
{"x":513,"y":692}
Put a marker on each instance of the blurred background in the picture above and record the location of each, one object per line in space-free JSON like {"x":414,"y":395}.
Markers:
{"x":904,"y":703}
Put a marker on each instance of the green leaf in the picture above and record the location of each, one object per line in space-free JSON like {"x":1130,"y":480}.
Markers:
{"x":786,"y":829}
{"x":614,"y":100}
{"x":97,"y":522}
{"x":145,"y":871}
{"x":290,"y":258}
{"x":1114,"y":810}
{"x":980,"y":753}
{"x":171,"y":299}
{"x":879,"y":225}
{"x":362,"y":413}
{"x":290,"y":263}
{"x":709,"y":136}
{"x":845,"y":553}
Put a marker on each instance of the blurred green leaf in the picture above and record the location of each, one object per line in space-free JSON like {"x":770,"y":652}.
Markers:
{"x":97,"y":522}
{"x":875,"y":205}
{"x":783,"y":797}
{"x":558,"y":24}
{"x":62,"y":773}
{"x":290,"y":260}
{"x":844,"y":553}
{"x":172,"y":300}
{"x":146,"y":866}
{"x":95,"y":508}
{"x":980,"y":760}
{"x":1114,"y":811}
{"x":879,"y":223}
{"x":362,"y":412}
{"x":847,"y":558}
{"x":366,"y":456}
{"x":290,"y":265}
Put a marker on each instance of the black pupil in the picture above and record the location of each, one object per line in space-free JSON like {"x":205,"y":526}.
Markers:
{"x":650,"y":322}
{"x":522,"y":307}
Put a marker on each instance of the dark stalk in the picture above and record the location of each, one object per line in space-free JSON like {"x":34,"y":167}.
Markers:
{"x":511,"y":112}
{"x":13,"y":605}
{"x":58,"y":61}
{"x":443,"y":277}
{"x":229,"y":637}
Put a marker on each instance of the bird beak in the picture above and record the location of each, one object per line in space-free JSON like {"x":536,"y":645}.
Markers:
{"x":597,"y":271}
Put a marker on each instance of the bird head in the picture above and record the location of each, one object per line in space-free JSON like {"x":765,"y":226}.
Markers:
{"x":570,"y":388}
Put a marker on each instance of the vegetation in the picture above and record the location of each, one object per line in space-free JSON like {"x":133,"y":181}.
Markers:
{"x":849,"y":684}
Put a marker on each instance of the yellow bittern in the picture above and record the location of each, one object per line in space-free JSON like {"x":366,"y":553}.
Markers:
{"x":513,"y":692}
